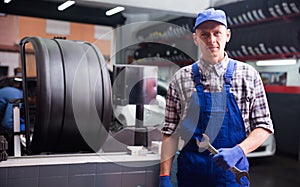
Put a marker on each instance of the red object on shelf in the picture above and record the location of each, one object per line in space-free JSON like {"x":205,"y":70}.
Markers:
{"x":283,"y":89}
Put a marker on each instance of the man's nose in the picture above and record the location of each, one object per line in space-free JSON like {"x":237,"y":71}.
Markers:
{"x":211,"y":38}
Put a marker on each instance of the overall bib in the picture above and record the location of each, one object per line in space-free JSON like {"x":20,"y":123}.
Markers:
{"x":221,"y":119}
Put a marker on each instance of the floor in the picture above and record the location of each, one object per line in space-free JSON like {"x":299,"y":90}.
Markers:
{"x":276,"y":171}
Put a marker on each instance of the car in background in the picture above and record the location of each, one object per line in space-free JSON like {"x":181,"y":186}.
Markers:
{"x":154,"y":113}
{"x":268,"y":148}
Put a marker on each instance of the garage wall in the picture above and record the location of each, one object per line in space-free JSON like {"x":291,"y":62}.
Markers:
{"x":11,"y":60}
{"x":14,"y":28}
{"x":78,"y":31}
{"x":9,"y":29}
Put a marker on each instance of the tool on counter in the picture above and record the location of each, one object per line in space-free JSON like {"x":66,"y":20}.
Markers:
{"x":205,"y":144}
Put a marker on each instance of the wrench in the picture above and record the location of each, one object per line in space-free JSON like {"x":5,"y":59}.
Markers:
{"x":206,"y":145}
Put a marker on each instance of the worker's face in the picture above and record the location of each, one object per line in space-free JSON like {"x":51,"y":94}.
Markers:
{"x":211,"y":37}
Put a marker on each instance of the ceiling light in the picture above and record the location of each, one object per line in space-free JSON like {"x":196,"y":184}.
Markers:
{"x":114,"y":10}
{"x":280,"y":62}
{"x":7,"y":1}
{"x":18,"y":79}
{"x":65,"y":5}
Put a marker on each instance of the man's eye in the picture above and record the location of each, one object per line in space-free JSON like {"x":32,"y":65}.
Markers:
{"x":204,"y":35}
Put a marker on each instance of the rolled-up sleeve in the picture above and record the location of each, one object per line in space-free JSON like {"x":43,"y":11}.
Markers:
{"x":260,"y":113}
{"x":173,"y":110}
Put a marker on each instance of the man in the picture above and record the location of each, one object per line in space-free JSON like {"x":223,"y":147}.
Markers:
{"x":220,"y":97}
{"x":7,"y":94}
{"x":6,"y":107}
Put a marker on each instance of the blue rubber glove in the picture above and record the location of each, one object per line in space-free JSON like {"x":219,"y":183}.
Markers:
{"x":228,"y":157}
{"x":164,"y":181}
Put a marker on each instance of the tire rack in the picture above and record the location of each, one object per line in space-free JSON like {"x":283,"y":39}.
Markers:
{"x":58,"y":64}
{"x":266,"y":41}
{"x":253,"y":11}
{"x":263,"y":29}
{"x":167,"y":42}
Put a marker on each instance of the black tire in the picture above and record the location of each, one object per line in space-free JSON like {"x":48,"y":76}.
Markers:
{"x":50,"y":94}
{"x":66,"y":70}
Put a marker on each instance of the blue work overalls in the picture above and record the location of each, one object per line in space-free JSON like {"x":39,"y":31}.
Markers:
{"x":221,"y":119}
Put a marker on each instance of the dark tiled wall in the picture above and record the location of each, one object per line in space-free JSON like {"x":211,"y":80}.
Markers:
{"x":80,"y":175}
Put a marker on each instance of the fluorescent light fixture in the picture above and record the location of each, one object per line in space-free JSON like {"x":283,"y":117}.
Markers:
{"x":65,"y":5}
{"x":114,"y":10}
{"x":18,"y":79}
{"x":279,"y":62}
{"x":7,"y":1}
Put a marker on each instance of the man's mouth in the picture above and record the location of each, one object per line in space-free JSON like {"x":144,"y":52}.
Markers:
{"x":213,"y":49}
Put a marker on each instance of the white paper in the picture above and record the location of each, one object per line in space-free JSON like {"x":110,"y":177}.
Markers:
{"x":57,"y":27}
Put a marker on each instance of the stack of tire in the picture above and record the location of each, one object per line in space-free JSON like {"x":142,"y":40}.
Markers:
{"x":276,"y":38}
{"x":250,"y":11}
{"x":3,"y":148}
{"x":263,"y":29}
{"x":167,"y":52}
{"x":73,"y":104}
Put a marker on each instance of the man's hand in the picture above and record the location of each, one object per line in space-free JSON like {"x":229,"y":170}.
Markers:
{"x":164,"y":181}
{"x":228,"y":157}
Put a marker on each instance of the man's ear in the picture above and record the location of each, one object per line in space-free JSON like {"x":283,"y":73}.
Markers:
{"x":228,"y":33}
{"x":195,"y":39}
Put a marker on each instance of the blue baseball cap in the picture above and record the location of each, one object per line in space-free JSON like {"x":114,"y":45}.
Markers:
{"x":211,"y":15}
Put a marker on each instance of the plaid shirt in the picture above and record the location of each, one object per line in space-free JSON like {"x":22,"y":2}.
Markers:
{"x":246,"y":86}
